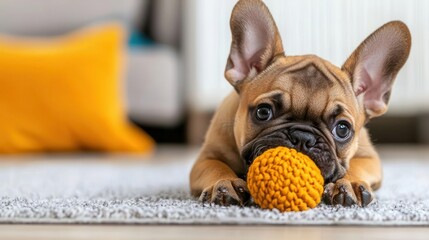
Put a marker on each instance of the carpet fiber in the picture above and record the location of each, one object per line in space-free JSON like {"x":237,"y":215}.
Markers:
{"x":119,"y":190}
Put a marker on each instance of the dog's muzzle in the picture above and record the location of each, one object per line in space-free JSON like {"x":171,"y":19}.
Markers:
{"x":304,"y":138}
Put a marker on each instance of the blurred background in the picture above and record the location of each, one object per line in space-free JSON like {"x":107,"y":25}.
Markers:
{"x":177,"y":51}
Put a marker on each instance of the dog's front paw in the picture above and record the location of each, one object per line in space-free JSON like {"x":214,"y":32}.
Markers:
{"x":346,"y":193}
{"x":227,"y":192}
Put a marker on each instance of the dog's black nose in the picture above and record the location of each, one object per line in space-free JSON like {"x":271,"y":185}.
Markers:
{"x":302,"y":140}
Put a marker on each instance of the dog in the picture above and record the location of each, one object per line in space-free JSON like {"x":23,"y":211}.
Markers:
{"x":301,"y":102}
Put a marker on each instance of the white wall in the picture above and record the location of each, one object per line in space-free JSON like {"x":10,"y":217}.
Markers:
{"x":331,"y":29}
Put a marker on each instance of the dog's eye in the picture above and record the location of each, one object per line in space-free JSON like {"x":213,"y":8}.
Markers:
{"x":342,"y":130}
{"x":264,"y":112}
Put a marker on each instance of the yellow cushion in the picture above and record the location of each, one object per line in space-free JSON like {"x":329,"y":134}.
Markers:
{"x":64,"y":94}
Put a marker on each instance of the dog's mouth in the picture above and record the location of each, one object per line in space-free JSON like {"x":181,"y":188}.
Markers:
{"x":319,"y":151}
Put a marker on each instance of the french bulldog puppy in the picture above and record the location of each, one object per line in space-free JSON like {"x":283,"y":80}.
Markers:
{"x":302,"y":102}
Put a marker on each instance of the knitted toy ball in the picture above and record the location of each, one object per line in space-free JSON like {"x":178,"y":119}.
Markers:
{"x":285,"y":179}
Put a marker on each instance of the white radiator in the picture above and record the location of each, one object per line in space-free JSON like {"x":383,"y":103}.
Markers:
{"x":331,"y":29}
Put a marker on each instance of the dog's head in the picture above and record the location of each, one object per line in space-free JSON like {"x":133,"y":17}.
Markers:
{"x":305,"y":102}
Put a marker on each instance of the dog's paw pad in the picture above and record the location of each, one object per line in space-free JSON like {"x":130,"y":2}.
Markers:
{"x":346,"y":193}
{"x":363,"y":193}
{"x":226,"y":192}
{"x":344,"y":197}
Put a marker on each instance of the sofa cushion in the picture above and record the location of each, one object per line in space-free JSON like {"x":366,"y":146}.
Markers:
{"x":64,"y":94}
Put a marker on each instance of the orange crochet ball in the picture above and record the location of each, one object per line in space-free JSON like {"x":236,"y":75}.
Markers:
{"x":285,"y":179}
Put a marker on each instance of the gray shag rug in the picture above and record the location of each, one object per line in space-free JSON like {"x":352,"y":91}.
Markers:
{"x":98,"y":189}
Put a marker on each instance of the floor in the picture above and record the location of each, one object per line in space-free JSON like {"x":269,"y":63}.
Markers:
{"x":107,"y":232}
{"x":30,"y":231}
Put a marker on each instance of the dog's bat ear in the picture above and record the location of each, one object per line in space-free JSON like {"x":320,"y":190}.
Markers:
{"x":373,"y":66}
{"x":255,"y":41}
